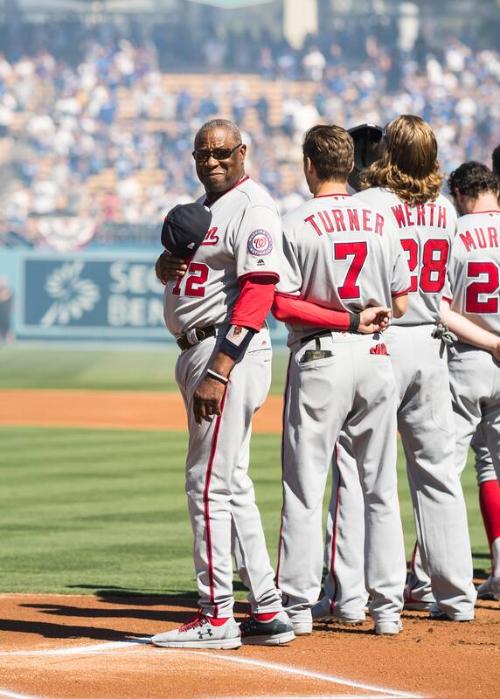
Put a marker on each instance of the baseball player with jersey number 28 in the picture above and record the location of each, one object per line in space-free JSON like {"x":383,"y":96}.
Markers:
{"x":404,"y":185}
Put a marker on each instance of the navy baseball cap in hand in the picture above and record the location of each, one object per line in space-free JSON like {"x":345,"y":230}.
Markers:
{"x":184,"y":228}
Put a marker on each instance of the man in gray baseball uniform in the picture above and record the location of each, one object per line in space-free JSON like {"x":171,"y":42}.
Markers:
{"x":474,"y":361}
{"x":215,"y":306}
{"x":405,"y":184}
{"x":343,"y":255}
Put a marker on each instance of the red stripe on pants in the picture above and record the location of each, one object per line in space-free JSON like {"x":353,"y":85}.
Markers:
{"x":206,"y":507}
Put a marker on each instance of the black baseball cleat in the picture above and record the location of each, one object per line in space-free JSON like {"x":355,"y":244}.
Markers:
{"x":255,"y":631}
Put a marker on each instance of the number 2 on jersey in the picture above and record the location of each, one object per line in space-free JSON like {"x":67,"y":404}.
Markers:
{"x":488,"y":285}
{"x":434,"y":260}
{"x":196,"y":276}
{"x":359,"y":252}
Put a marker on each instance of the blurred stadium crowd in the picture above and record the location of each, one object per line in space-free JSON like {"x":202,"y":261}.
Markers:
{"x":98,"y":129}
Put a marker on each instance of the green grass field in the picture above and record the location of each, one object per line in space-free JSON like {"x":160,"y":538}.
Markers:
{"x":87,"y":510}
{"x":114,"y":369}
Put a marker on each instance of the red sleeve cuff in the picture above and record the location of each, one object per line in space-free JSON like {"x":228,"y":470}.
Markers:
{"x":401,"y":293}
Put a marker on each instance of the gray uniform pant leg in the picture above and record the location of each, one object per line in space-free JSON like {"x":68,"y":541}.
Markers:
{"x":363,"y":391}
{"x":344,"y":582}
{"x":220,"y":493}
{"x":426,"y":425}
{"x":475,"y":388}
{"x":483,"y":461}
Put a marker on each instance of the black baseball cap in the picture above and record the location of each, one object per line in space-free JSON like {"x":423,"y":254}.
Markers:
{"x":184,"y":228}
{"x":366,"y":138}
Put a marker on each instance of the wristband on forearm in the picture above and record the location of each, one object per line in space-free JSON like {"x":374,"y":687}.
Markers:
{"x":218,"y":377}
{"x":354,"y":322}
{"x":236,"y":341}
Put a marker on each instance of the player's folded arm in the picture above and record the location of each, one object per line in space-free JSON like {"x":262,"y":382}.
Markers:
{"x":292,"y":309}
{"x":466,"y":330}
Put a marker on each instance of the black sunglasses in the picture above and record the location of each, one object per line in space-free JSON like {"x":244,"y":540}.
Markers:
{"x":204,"y":154}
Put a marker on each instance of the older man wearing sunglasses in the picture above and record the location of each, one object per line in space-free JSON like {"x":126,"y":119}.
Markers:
{"x":216,"y":303}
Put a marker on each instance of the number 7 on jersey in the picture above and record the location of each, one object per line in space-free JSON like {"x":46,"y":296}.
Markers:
{"x":359,"y":252}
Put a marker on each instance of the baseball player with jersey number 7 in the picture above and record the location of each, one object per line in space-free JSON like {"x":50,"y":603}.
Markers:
{"x":215,"y":305}
{"x":343,"y":255}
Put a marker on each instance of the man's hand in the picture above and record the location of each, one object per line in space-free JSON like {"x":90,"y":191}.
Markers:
{"x":207,"y":399}
{"x":375,"y":319}
{"x":169,"y":268}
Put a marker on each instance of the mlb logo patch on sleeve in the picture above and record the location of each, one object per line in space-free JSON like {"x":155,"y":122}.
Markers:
{"x":260,"y":243}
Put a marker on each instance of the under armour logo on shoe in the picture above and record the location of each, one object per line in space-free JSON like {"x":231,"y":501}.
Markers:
{"x":207,"y":633}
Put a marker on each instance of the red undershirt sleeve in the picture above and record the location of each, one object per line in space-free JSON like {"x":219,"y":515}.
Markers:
{"x":255,"y":300}
{"x":291,"y":309}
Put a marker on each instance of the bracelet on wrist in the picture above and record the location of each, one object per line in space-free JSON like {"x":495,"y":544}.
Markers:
{"x":218,"y":377}
{"x":354,"y":322}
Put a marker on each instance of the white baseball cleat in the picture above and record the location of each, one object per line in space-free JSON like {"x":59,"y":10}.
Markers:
{"x":302,"y":628}
{"x":202,"y":632}
{"x":437,"y":614}
{"x":388,"y":628}
{"x":490,"y":589}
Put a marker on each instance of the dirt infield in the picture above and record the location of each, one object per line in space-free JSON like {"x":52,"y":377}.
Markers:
{"x":112,"y":410}
{"x":61,"y":646}
{"x":83,"y":646}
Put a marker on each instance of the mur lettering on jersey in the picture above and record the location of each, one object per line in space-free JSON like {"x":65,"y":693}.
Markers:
{"x":480,"y":238}
{"x":430,"y":214}
{"x":346,"y":219}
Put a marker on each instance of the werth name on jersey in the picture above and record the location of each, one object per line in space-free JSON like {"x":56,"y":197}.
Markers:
{"x":480,"y":238}
{"x":346,"y":219}
{"x":429,"y":214}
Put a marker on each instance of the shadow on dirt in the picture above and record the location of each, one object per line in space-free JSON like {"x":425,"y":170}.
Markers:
{"x":50,"y":630}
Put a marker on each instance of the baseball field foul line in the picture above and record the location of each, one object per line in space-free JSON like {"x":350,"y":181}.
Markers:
{"x":396,"y":694}
{"x":14,"y":695}
{"x":382,"y":692}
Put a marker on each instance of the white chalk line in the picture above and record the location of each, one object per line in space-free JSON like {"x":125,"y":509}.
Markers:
{"x":333,"y":679}
{"x":80,"y":650}
{"x":285,"y":669}
{"x":14,"y":695}
{"x":318,"y":696}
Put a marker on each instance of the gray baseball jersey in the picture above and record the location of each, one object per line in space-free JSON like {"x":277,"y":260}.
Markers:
{"x":342,"y":254}
{"x":245,"y":237}
{"x":426,"y":232}
{"x":474,"y":269}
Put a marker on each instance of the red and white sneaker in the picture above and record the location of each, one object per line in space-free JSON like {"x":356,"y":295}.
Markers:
{"x":202,"y":632}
